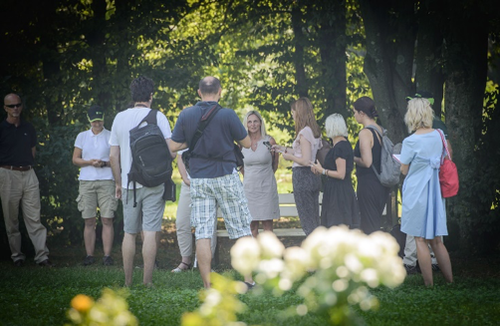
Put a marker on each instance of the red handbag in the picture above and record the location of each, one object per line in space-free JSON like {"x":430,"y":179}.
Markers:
{"x":448,"y":174}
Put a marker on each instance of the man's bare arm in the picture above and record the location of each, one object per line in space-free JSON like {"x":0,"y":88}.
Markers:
{"x":175,"y":147}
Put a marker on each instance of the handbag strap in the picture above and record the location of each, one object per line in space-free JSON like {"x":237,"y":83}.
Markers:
{"x":445,"y":146}
{"x":205,"y":119}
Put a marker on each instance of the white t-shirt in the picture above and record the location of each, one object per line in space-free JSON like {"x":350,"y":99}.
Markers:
{"x":123,"y":123}
{"x":94,"y":147}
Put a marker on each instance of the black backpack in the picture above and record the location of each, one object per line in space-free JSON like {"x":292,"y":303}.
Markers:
{"x":151,"y":159}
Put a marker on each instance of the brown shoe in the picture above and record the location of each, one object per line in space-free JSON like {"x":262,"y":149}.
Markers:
{"x":46,"y":263}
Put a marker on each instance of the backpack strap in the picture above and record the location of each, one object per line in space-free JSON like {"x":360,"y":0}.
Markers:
{"x":375,"y":132}
{"x":372,"y":127}
{"x":150,"y":118}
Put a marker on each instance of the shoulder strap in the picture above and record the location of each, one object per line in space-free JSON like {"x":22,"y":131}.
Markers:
{"x":372,"y":127}
{"x":205,"y":119}
{"x":150,"y":118}
{"x":445,"y":146}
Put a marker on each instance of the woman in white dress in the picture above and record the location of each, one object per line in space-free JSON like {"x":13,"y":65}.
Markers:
{"x":259,"y":181}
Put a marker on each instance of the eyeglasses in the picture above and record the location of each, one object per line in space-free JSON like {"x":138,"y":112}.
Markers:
{"x":12,"y":106}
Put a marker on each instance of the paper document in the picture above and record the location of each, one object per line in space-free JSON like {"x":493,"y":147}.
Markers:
{"x":397,"y":157}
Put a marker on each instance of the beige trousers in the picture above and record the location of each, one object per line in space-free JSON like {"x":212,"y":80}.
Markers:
{"x":183,"y":224}
{"x":19,"y":189}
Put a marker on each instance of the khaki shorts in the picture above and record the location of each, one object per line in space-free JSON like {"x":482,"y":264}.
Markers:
{"x":147,"y":215}
{"x":94,"y":194}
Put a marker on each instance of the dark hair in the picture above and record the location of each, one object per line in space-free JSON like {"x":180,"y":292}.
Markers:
{"x":367,"y":106}
{"x":141,"y":89}
{"x":209,"y":85}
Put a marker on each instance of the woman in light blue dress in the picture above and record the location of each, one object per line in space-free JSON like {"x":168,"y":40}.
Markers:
{"x":424,"y":214}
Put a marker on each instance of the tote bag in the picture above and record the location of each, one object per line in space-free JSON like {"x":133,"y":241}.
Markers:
{"x":448,"y":174}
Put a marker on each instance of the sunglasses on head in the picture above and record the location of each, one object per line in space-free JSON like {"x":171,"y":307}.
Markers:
{"x":12,"y":106}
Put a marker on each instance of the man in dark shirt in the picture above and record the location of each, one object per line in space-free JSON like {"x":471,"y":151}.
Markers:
{"x":19,"y":184}
{"x":214,"y":180}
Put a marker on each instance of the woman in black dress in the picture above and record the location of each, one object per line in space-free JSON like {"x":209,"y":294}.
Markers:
{"x":339,"y":200}
{"x":372,"y":195}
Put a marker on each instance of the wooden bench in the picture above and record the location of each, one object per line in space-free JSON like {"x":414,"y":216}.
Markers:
{"x":287,"y":209}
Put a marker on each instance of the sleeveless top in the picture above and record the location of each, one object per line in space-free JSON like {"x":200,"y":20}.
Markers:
{"x":376,"y":154}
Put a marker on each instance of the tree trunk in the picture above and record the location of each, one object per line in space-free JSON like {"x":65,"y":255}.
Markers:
{"x":97,"y":42}
{"x":429,"y":58}
{"x":465,"y":86}
{"x":298,"y":57}
{"x":332,"y":45}
{"x":390,"y":28}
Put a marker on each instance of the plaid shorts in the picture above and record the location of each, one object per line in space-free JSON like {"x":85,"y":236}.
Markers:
{"x":226,"y":192}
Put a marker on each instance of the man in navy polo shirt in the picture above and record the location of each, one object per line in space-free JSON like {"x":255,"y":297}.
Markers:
{"x":214,"y":179}
{"x":19,"y":184}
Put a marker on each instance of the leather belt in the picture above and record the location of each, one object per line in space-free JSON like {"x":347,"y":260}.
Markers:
{"x":17,"y":168}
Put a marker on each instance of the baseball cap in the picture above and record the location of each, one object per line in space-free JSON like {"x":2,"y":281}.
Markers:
{"x":95,"y":113}
{"x":422,"y":94}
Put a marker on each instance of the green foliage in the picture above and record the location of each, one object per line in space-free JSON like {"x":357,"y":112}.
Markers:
{"x":65,"y":55}
{"x":58,"y":179}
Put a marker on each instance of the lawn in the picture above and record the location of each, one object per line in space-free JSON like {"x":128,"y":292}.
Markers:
{"x":39,"y":296}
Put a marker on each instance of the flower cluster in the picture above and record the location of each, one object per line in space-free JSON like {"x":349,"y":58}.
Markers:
{"x":220,"y":304}
{"x":110,"y":309}
{"x":337,"y":267}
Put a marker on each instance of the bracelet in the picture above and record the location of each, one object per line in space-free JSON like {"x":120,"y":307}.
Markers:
{"x":286,"y":150}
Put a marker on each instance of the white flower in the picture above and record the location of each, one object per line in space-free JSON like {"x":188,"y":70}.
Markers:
{"x":385,"y":242}
{"x":270,"y":245}
{"x":245,"y":255}
{"x":370,"y":277}
{"x":271,"y":268}
{"x":297,"y":262}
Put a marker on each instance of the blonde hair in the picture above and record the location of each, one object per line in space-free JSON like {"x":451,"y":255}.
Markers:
{"x":419,"y":114}
{"x":304,"y":116}
{"x":335,"y":126}
{"x":263,"y":132}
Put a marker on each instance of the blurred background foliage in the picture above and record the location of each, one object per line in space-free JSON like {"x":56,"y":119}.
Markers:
{"x":63,"y":56}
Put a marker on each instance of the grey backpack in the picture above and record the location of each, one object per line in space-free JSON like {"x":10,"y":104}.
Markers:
{"x":389,"y":167}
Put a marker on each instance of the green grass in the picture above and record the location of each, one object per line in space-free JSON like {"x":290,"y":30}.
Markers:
{"x":39,"y":296}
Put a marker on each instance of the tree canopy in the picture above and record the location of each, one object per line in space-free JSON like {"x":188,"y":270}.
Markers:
{"x":62,"y":56}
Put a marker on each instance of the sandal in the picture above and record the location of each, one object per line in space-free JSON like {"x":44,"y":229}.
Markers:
{"x":179,"y":270}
